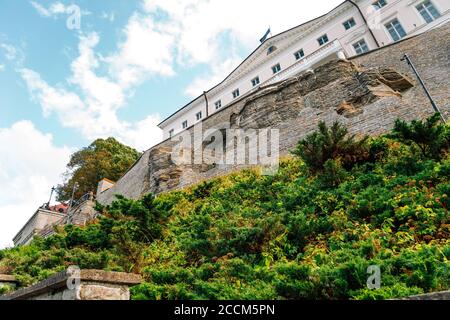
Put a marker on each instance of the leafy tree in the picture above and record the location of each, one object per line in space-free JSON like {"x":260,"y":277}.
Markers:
{"x":102,"y":159}
{"x":430,"y":136}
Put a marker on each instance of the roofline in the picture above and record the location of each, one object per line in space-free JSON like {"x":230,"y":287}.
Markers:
{"x":39,"y":210}
{"x":254,"y":51}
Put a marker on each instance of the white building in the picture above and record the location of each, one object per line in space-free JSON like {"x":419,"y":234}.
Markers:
{"x":352,"y":28}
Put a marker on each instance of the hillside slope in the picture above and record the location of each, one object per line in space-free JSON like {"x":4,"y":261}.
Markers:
{"x":304,"y":233}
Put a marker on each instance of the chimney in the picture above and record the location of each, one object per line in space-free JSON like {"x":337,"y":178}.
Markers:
{"x":104,"y":185}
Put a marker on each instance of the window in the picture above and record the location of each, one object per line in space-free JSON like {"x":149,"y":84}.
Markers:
{"x":299,"y":54}
{"x":349,"y":23}
{"x":276,"y":68}
{"x":198,"y":115}
{"x":379,"y":4}
{"x":361,"y":46}
{"x":395,"y":29}
{"x":271,"y":49}
{"x":428,"y":11}
{"x":235,"y":93}
{"x":255,"y":81}
{"x":218,"y":104}
{"x":185,"y":124}
{"x":323,"y":39}
{"x":171,"y":133}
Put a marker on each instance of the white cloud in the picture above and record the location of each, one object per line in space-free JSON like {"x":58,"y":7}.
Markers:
{"x":111,"y":16}
{"x":145,"y":51}
{"x":94,"y":110}
{"x":209,"y":32}
{"x":30,"y":164}
{"x":218,"y":72}
{"x":2,"y":67}
{"x":54,"y":10}
{"x":10,"y":51}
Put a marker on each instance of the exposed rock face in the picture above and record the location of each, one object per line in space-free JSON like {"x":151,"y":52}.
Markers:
{"x":352,"y":88}
{"x":367,"y":93}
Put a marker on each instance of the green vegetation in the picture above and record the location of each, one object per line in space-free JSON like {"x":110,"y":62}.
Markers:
{"x":101,"y":159}
{"x":308,"y":232}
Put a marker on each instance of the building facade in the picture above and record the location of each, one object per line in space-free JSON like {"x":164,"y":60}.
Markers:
{"x":352,"y":28}
{"x":37,"y":223}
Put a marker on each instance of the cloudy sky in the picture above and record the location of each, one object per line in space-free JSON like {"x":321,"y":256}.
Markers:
{"x":117,"y":71}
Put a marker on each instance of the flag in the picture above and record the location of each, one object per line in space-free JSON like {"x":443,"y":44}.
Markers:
{"x":265,"y":36}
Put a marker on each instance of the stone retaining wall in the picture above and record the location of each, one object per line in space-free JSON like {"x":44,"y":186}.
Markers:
{"x":87,"y":285}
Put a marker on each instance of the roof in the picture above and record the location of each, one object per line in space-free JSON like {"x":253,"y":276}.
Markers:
{"x":248,"y":57}
{"x":61,"y":208}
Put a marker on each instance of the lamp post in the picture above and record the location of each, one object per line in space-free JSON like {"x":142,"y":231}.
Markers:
{"x":49,"y":200}
{"x":422,"y":83}
{"x":75,"y":187}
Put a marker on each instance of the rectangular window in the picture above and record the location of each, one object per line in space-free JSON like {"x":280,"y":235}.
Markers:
{"x":379,"y":4}
{"x":395,"y":29}
{"x":198,"y":115}
{"x":218,"y":104}
{"x":428,"y":11}
{"x":299,"y":54}
{"x":185,"y":124}
{"x":255,"y":81}
{"x":323,"y":39}
{"x":361,"y":46}
{"x":171,"y":133}
{"x":349,"y":24}
{"x":276,"y":68}
{"x":235,"y":93}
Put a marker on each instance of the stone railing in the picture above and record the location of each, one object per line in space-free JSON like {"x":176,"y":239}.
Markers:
{"x":443,"y":295}
{"x":86,"y":285}
{"x":7,"y":280}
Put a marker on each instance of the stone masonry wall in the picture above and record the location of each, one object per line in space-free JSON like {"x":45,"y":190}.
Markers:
{"x":367,"y":93}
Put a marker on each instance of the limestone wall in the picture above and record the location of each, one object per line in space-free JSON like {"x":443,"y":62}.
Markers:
{"x":85,"y":285}
{"x":367,"y":93}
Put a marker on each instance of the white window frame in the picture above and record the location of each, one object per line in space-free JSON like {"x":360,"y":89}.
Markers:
{"x":420,"y":14}
{"x":358,"y":43}
{"x":276,"y":68}
{"x":255,"y":81}
{"x":184,"y":124}
{"x":387,"y":30}
{"x":218,"y":104}
{"x":376,"y":7}
{"x":322,"y":37}
{"x":171,"y":132}
{"x":198,"y":115}
{"x":300,"y":53}
{"x":236,"y":93}
{"x":350,"y":25}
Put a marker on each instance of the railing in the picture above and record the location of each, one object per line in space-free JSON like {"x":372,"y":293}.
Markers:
{"x":68,"y":219}
{"x":306,"y":62}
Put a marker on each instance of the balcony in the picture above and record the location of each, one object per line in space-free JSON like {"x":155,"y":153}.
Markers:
{"x":323,"y":54}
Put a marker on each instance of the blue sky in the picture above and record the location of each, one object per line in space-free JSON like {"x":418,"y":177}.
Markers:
{"x":130,"y":64}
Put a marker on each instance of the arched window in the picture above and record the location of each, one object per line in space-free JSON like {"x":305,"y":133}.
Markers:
{"x":271,"y":49}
